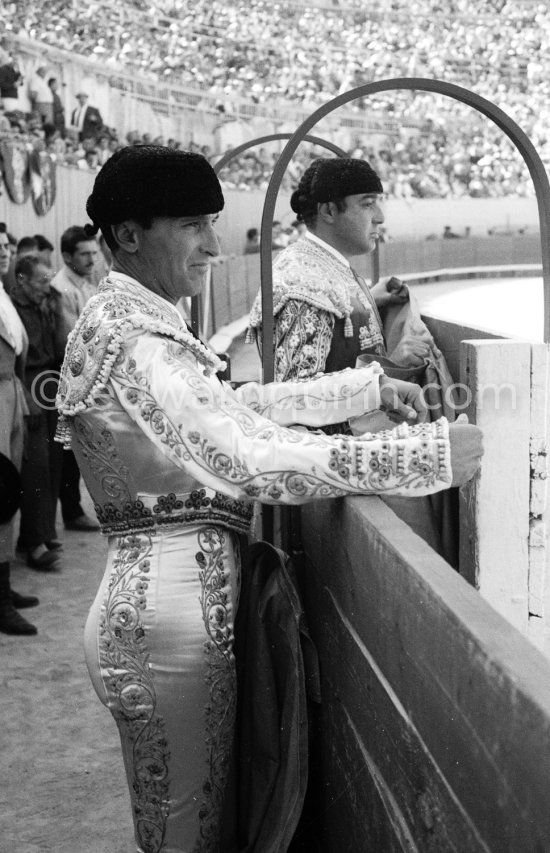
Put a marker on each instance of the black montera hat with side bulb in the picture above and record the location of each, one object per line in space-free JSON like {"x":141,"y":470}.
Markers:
{"x":331,"y":179}
{"x":142,"y":182}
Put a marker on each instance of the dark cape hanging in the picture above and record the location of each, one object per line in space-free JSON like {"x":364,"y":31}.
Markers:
{"x":278,"y":675}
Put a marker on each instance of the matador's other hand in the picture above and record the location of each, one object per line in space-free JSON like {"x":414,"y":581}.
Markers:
{"x":402,"y":401}
{"x":411,"y":351}
{"x":466,"y":449}
{"x":390,"y":291}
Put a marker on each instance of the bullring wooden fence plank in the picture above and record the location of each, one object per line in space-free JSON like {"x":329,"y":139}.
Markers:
{"x":435,"y":724}
{"x":402,"y":800}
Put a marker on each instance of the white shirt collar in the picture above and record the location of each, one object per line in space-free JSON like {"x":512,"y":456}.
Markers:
{"x":338,"y":255}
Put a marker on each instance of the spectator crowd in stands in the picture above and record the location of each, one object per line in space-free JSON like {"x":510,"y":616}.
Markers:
{"x":295,"y":53}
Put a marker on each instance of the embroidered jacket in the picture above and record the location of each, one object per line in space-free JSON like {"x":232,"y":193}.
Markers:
{"x":325,"y":315}
{"x":161,"y":441}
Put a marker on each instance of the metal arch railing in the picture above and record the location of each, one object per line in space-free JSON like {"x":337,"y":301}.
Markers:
{"x":498,"y":116}
{"x":230,"y":155}
{"x":273,"y":137}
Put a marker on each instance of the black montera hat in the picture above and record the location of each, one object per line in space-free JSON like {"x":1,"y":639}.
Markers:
{"x":328,"y":180}
{"x":10,"y":489}
{"x":145,"y":181}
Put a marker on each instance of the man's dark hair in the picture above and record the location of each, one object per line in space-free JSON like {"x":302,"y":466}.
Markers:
{"x":27,"y":244}
{"x":72,"y":237}
{"x":3,"y":228}
{"x":43,"y":244}
{"x":27,"y":265}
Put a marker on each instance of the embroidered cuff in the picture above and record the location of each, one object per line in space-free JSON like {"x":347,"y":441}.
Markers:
{"x":411,"y":457}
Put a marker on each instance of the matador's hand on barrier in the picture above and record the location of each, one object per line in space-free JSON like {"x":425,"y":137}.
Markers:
{"x":402,"y":401}
{"x":466,"y":450}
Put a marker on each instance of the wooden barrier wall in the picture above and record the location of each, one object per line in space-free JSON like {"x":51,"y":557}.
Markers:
{"x":434,"y":729}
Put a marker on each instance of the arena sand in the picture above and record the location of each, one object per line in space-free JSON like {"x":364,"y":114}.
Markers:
{"x":63,"y":787}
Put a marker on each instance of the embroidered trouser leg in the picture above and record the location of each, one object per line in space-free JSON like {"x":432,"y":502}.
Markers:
{"x":159,"y":647}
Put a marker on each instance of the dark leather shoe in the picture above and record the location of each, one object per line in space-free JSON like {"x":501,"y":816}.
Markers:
{"x":82,"y":523}
{"x":11,"y":622}
{"x":46,"y":562}
{"x":23,"y":601}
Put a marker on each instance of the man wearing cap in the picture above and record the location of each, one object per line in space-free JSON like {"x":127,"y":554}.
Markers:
{"x":85,"y":119}
{"x":173,"y":459}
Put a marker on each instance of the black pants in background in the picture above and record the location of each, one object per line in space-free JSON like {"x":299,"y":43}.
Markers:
{"x":69,"y":492}
{"x":40,"y":480}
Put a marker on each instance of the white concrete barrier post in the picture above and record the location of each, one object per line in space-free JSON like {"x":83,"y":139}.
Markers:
{"x":494,"y":508}
{"x":539,"y":552}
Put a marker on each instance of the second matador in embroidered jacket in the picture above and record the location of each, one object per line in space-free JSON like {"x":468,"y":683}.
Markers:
{"x":325,"y":316}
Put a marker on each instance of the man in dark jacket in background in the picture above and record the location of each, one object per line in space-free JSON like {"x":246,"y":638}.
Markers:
{"x":85,"y":119}
{"x":10,"y":80}
{"x":39,"y":311}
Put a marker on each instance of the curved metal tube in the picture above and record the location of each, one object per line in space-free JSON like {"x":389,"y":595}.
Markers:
{"x":272,"y":137}
{"x":498,"y":116}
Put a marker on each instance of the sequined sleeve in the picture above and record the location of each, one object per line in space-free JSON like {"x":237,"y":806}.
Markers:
{"x":326,"y":399}
{"x":303,"y":334}
{"x":203,"y":428}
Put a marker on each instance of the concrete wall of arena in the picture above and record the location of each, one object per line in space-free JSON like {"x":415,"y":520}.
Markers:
{"x":413,"y":220}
